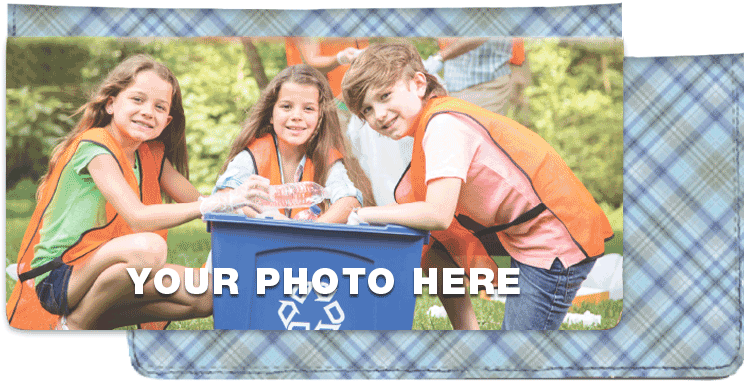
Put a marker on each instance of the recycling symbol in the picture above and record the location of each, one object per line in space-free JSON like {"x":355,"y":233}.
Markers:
{"x":334,"y":315}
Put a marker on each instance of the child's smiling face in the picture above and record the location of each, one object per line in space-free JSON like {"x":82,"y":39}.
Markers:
{"x":391,"y":111}
{"x":140,"y":112}
{"x":295,"y":113}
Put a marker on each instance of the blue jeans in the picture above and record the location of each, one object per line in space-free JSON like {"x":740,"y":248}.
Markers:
{"x":53,"y":291}
{"x":545,"y":295}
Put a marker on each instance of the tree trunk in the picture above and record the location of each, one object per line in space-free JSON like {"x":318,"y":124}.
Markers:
{"x":256,"y":64}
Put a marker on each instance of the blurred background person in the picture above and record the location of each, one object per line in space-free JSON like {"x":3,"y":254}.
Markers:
{"x":488,"y":72}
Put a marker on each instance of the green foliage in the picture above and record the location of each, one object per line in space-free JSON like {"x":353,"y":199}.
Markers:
{"x":217,"y":88}
{"x":577,"y":107}
{"x":575,"y":99}
{"x":36,"y":120}
{"x":274,"y":56}
{"x":610,"y":311}
{"x":42,"y":62}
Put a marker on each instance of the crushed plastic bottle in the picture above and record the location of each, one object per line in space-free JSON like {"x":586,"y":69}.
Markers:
{"x":309,"y":214}
{"x":587,"y":319}
{"x":296,"y":195}
{"x":437,"y":311}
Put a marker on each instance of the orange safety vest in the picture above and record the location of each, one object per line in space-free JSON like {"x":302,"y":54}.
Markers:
{"x":264,"y":154}
{"x":470,"y":243}
{"x":23,"y":309}
{"x":329,"y":47}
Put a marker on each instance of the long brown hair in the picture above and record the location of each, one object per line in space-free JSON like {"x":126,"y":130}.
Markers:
{"x":381,"y":66}
{"x":94,"y":114}
{"x":328,"y":134}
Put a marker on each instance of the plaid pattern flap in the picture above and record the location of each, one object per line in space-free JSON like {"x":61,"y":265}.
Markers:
{"x":590,"y":20}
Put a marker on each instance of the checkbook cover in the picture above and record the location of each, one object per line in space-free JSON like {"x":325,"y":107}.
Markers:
{"x":683,"y":218}
{"x":586,"y":124}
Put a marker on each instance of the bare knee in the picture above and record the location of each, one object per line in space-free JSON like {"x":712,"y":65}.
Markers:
{"x":147,"y":250}
{"x":112,"y":279}
{"x":203,"y":304}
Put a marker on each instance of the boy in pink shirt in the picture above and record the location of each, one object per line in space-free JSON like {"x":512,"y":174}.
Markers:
{"x":484,"y":184}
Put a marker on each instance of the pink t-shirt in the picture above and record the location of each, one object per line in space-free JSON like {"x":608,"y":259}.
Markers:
{"x":494,"y":190}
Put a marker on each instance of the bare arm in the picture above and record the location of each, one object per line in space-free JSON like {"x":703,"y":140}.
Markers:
{"x":255,"y":210}
{"x":339,"y":211}
{"x":433,"y":214}
{"x":140,"y":217}
{"x":177,"y":186}
{"x":310,"y":51}
{"x":459,"y":46}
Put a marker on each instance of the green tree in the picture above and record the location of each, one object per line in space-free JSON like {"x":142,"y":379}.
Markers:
{"x":576,"y":105}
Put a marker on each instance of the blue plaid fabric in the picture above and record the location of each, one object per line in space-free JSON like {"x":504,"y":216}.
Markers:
{"x":590,"y":20}
{"x":485,"y":63}
{"x":683,"y":264}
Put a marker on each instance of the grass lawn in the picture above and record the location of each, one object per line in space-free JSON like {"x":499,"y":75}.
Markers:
{"x":189,"y":245}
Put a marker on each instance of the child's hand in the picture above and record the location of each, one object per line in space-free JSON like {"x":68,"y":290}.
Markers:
{"x":250,"y":194}
{"x":263,"y":213}
{"x":254,"y":191}
{"x":347,"y":55}
{"x":433,"y":64}
{"x":354,"y":218}
{"x":273,"y":214}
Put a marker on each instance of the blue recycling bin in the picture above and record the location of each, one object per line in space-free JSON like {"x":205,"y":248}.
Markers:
{"x":246,"y":244}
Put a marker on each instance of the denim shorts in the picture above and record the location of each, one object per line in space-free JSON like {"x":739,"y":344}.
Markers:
{"x":545,"y":295}
{"x":53,"y":290}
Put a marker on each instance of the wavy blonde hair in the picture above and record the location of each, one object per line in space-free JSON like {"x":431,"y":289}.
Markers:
{"x":328,"y":134}
{"x":94,"y":114}
{"x":381,"y":66}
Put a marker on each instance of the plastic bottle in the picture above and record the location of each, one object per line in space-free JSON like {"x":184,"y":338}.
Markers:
{"x":309,"y":214}
{"x":296,"y":195}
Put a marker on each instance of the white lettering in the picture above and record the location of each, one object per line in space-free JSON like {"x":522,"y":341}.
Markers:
{"x":159,"y":281}
{"x":319,"y":287}
{"x":503,"y":281}
{"x":202,"y":281}
{"x":453,"y":281}
{"x":290,"y":281}
{"x":138,"y":280}
{"x":430,"y":280}
{"x":300,"y":295}
{"x":219,"y":281}
{"x":485,"y":280}
{"x":262,"y":279}
{"x":372,"y":281}
{"x":353,"y":274}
